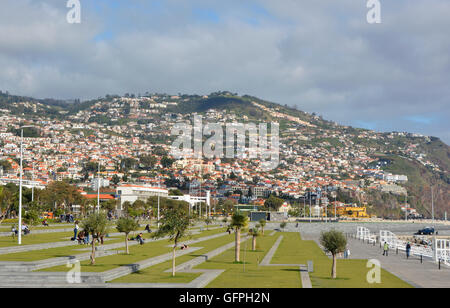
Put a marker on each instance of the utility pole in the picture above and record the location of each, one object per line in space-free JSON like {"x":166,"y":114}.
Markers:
{"x":406,"y":206}
{"x":335,"y":206}
{"x":432,"y":205}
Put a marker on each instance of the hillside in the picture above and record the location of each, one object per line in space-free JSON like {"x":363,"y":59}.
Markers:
{"x":425,"y":160}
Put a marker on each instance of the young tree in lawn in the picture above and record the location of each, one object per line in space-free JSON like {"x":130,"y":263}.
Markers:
{"x":262,"y":223}
{"x":283,"y":225}
{"x":174,"y":223}
{"x":334,"y":242}
{"x":238,"y":223}
{"x":127,"y":225}
{"x":255,"y":232}
{"x":95,"y":224}
{"x":31,"y":217}
{"x":208,"y":221}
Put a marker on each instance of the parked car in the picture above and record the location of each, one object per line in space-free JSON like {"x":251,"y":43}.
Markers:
{"x":426,"y":231}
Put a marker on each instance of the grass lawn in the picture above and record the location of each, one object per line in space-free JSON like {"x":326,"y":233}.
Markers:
{"x":351,"y":273}
{"x":137,"y":253}
{"x":253,"y":276}
{"x":29,"y":239}
{"x":157,"y":274}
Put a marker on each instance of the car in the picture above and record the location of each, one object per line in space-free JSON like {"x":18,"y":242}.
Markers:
{"x":426,"y":231}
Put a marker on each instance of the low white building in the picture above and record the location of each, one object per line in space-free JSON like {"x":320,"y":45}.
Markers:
{"x":131,"y":193}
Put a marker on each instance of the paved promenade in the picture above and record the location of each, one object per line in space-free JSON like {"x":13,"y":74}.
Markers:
{"x":419,"y":275}
{"x":422,"y":275}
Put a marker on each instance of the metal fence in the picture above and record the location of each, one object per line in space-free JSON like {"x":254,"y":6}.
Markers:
{"x":362,"y":233}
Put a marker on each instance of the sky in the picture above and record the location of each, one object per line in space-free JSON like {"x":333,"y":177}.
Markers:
{"x":321,"y":56}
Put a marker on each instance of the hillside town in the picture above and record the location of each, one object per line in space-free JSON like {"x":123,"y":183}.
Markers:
{"x":314,"y":164}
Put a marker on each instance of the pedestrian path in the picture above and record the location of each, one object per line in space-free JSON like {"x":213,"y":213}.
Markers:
{"x":424,"y":275}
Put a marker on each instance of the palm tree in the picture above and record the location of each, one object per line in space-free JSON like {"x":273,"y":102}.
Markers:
{"x":95,"y":224}
{"x":334,"y":242}
{"x":238,"y":222}
{"x":127,"y":225}
{"x":262,"y":223}
{"x":255,"y":232}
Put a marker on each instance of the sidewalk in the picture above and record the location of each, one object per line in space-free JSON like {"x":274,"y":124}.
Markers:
{"x":422,"y":275}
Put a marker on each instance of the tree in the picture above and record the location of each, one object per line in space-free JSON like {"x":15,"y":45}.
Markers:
{"x":109,"y":205}
{"x":262,"y":223}
{"x":175,"y":224}
{"x":238,"y":223}
{"x":62,"y":194}
{"x":283,"y":225}
{"x":8,"y":198}
{"x":147,"y":162}
{"x":96,"y":225}
{"x":273,"y":202}
{"x":254,"y":232}
{"x":334,"y":242}
{"x":127,"y":225}
{"x":175,"y":192}
{"x":115,"y":179}
{"x":167,"y":162}
{"x":208,"y":221}
{"x":6,"y":165}
{"x":31,"y":217}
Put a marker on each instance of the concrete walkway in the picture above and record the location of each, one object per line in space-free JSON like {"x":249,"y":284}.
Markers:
{"x":422,"y":275}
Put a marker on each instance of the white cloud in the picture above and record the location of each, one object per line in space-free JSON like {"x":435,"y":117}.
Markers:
{"x":320,"y":55}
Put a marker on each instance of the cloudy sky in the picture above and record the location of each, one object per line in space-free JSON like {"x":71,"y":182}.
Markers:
{"x":321,"y":56}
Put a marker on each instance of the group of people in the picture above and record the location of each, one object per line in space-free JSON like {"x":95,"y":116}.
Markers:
{"x":83,"y":237}
{"x":407,"y":249}
{"x":15,"y":231}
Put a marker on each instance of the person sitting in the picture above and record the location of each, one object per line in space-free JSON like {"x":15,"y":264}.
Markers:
{"x":86,"y":238}
{"x":25,"y":229}
{"x":44,"y":223}
{"x":140,"y":239}
{"x":184,"y":246}
{"x":147,"y":228}
{"x":80,"y":237}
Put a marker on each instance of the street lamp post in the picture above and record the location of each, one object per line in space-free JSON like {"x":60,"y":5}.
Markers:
{"x":432,"y":205}
{"x":20,"y":189}
{"x":19,"y":238}
{"x":98,"y":188}
{"x":32,"y":187}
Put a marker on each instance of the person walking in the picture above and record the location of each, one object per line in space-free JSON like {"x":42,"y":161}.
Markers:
{"x":408,"y":250}
{"x":75,"y":230}
{"x":385,"y":249}
{"x":14,"y":231}
{"x":347,"y":253}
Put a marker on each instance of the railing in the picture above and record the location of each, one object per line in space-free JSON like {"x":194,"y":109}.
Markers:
{"x":438,"y":251}
{"x":395,"y":243}
{"x":364,"y":234}
{"x":443,"y":251}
